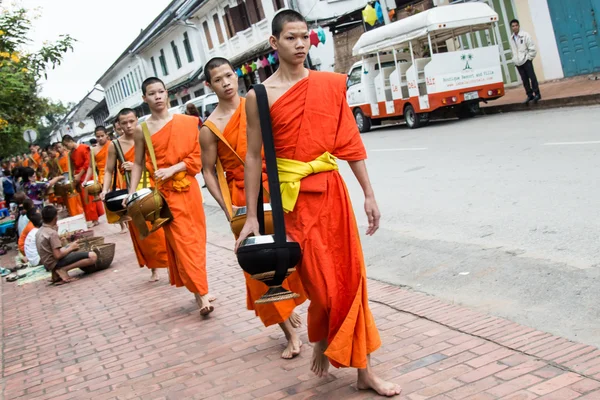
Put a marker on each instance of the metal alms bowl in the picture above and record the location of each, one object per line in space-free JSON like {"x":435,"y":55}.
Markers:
{"x":138,"y":195}
{"x":257,"y":255}
{"x":243,"y":210}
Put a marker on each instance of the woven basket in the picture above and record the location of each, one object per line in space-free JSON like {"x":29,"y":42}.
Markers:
{"x":105,"y":253}
{"x":86,"y":244}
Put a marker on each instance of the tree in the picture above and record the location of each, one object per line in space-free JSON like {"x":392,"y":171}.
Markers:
{"x":54,"y":113}
{"x":21,"y":105}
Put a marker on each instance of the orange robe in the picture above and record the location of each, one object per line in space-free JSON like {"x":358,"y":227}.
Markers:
{"x":28,"y":228}
{"x":73,"y":202}
{"x":311,"y":118}
{"x":81,"y":161}
{"x":178,"y":142}
{"x":235,"y":134}
{"x":152,"y":251}
{"x":101,"y":157}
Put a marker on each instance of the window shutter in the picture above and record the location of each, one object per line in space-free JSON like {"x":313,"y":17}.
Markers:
{"x":251,"y":7}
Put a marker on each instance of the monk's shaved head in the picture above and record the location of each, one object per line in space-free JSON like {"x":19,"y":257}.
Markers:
{"x":283,"y":17}
{"x":124,"y":112}
{"x":150,"y":81}
{"x":213,"y":63}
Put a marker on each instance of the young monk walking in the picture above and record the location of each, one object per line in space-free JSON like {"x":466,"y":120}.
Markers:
{"x":151,"y":251}
{"x":80,"y":158}
{"x":177,"y":149}
{"x":312,"y":123}
{"x":100,"y":154}
{"x":223,"y":143}
{"x":73,"y":201}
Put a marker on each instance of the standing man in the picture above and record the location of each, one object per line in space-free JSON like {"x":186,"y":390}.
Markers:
{"x":524,"y":51}
{"x":100,"y":154}
{"x":312,"y":123}
{"x":151,"y":251}
{"x":80,"y":158}
{"x":223,"y":143}
{"x":175,"y":142}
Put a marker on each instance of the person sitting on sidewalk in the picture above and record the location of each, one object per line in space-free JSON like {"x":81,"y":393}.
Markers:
{"x":28,"y":228}
{"x":30,"y":248}
{"x":53,"y":256}
{"x":524,"y":51}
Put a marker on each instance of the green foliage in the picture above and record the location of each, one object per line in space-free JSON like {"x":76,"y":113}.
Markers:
{"x":21,"y":106}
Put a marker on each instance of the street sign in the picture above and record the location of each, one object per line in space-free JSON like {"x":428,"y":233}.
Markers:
{"x":30,"y":135}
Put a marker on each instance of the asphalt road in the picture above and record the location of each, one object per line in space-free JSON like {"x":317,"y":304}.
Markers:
{"x":499,"y":213}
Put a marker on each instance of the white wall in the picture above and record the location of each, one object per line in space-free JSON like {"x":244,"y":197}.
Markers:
{"x":548,"y":49}
{"x":313,"y":10}
{"x":118,"y":99}
{"x":242,"y":41}
{"x":174,"y":34}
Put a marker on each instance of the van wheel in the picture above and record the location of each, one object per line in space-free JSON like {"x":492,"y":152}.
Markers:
{"x":412,"y":119}
{"x":362,"y":121}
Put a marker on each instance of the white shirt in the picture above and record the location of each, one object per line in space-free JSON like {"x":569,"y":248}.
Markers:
{"x":30,"y":248}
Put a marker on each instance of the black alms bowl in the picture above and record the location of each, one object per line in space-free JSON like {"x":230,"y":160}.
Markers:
{"x":257,"y":255}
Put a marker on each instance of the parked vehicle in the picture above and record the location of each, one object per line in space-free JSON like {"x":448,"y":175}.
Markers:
{"x":415,"y":67}
{"x":205,"y":103}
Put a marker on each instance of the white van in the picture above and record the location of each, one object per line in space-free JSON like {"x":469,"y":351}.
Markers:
{"x":415,"y":66}
{"x":205,"y":103}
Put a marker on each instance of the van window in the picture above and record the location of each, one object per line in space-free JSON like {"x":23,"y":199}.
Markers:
{"x":388,"y":64}
{"x":355,"y":76}
{"x":211,"y":107}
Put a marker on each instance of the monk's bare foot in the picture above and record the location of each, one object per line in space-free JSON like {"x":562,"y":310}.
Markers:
{"x":204,"y":304}
{"x":124,"y":229}
{"x":95,"y":223}
{"x":292,"y":349}
{"x":211,"y":298}
{"x":295,"y":320}
{"x":369,"y":381}
{"x":319,"y":364}
{"x":154,"y":277}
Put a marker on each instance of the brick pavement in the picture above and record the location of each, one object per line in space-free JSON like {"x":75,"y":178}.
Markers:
{"x":113,"y":335}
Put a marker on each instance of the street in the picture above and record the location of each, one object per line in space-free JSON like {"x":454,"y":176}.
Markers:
{"x":498,"y":213}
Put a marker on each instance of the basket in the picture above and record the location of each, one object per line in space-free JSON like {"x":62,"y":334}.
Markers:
{"x":86,"y":244}
{"x":105,"y":253}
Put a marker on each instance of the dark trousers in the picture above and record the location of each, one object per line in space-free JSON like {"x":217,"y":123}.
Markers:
{"x":529,"y":79}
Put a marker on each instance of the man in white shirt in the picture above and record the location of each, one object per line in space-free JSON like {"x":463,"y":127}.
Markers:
{"x":524,"y":51}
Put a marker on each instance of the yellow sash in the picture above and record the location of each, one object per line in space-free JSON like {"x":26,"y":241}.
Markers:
{"x":291,"y":172}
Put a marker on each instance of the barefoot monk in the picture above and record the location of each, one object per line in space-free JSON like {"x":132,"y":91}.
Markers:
{"x":177,"y":149}
{"x":223,"y":142}
{"x":151,"y":251}
{"x":312,"y":127}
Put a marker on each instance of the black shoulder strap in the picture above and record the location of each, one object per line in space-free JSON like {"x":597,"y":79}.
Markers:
{"x":264,"y":113}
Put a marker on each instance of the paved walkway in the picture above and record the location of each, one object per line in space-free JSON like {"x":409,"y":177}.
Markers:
{"x":113,"y":335}
{"x":579,"y":90}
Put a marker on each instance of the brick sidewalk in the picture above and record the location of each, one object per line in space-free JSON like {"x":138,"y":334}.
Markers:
{"x":113,"y":335}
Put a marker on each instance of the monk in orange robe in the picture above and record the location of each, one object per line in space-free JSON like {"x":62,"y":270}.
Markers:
{"x":73,"y":201}
{"x":223,"y":142}
{"x":177,"y":149}
{"x":100,"y":153}
{"x":312,"y":122}
{"x":151,"y":251}
{"x":80,"y":158}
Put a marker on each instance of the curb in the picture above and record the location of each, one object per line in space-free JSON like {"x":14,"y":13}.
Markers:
{"x":585,"y":100}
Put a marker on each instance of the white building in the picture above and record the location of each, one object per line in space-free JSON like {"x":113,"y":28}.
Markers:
{"x":79,"y":123}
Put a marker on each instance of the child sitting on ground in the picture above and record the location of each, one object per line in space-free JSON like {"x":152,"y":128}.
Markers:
{"x":53,"y":256}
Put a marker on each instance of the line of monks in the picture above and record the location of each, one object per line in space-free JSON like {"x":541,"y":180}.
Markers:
{"x":312,"y":124}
